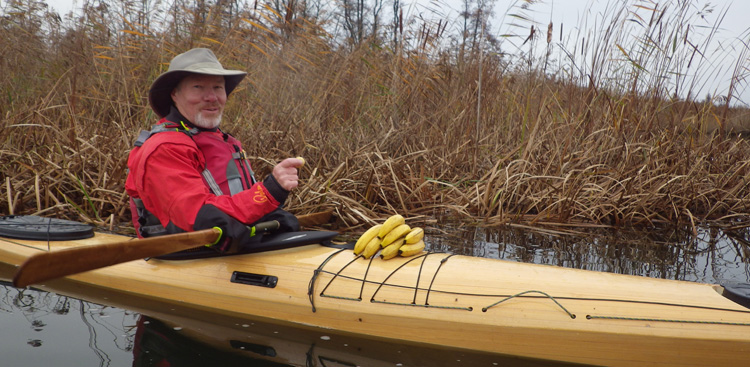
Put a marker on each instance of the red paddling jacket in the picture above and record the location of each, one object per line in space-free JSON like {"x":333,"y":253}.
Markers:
{"x":182,"y":178}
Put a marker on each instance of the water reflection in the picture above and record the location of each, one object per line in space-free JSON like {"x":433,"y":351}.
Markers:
{"x":96,"y":335}
{"x":708,"y":255}
{"x":40,"y":328}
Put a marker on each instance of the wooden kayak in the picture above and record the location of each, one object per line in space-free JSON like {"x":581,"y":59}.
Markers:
{"x":437,"y":299}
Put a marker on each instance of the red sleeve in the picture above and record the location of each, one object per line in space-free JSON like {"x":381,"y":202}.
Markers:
{"x":168,"y":179}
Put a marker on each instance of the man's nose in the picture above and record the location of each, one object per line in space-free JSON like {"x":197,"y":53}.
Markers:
{"x":210,"y":95}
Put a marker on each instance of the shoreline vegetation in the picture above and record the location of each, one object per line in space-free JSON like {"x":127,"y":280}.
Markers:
{"x":596,"y":129}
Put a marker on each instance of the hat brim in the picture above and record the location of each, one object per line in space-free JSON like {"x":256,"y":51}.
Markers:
{"x":160,"y":94}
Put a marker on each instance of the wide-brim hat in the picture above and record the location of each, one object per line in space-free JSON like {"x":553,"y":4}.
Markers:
{"x":195,"y":61}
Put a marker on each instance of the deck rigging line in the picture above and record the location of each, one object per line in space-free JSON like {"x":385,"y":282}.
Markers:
{"x":49,"y":229}
{"x":361,"y":289}
{"x":592,"y":317}
{"x":380,"y":284}
{"x":316,"y":272}
{"x":572,"y":316}
{"x":442,"y":261}
{"x":416,"y":286}
{"x":430,"y":289}
{"x":32,"y":247}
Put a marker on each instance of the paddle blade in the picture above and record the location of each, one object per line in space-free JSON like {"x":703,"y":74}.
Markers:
{"x":56,"y":264}
{"x":315,"y":219}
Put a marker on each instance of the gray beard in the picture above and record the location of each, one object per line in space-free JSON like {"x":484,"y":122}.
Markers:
{"x":205,"y":122}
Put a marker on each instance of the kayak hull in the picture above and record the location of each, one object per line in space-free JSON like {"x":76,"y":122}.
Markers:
{"x":485,"y":305}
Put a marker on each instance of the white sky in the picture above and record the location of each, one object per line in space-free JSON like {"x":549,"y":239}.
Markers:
{"x":726,"y":47}
{"x":569,"y":13}
{"x":561,"y":11}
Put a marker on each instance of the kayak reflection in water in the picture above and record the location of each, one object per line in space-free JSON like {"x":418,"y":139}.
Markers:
{"x":39,"y":327}
{"x":160,"y":345}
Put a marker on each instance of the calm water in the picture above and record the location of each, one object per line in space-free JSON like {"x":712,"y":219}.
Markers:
{"x":43,"y":329}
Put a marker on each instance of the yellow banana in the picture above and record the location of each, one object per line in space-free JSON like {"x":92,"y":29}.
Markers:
{"x":365,"y":238}
{"x":391,"y":250}
{"x":411,"y":249}
{"x":371,"y":248}
{"x":395,"y":234}
{"x":416,"y":235}
{"x":391,"y":223}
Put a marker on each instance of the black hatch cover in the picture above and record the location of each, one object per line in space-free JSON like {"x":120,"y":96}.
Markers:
{"x":738,"y":292}
{"x":31,"y":227}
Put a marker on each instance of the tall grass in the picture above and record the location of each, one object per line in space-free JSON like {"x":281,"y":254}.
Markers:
{"x":603,"y":137}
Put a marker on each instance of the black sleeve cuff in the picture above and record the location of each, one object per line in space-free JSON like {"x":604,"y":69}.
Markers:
{"x":273,"y":187}
{"x":233,"y":231}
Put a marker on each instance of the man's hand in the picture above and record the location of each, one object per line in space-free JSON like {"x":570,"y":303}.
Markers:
{"x":285,"y":173}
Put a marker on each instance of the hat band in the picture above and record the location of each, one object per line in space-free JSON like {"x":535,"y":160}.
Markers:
{"x":209,"y":68}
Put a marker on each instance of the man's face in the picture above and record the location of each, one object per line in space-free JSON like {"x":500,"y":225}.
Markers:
{"x":201,"y":99}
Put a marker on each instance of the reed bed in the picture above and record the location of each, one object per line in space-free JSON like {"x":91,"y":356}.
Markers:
{"x":386,"y":128}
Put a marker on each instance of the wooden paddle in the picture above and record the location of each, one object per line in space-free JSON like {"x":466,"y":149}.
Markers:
{"x":56,"y":264}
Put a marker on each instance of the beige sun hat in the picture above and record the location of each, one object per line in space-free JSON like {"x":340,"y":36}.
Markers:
{"x":198,"y":61}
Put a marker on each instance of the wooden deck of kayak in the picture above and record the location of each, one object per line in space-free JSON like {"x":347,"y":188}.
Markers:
{"x":495,"y":306}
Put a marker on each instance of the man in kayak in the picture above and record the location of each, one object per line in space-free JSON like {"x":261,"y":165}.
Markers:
{"x":187,"y":174}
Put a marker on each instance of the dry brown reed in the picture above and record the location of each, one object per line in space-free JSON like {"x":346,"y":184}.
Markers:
{"x":384,"y":130}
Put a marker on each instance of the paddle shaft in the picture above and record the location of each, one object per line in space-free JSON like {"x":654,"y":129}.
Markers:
{"x":56,"y":264}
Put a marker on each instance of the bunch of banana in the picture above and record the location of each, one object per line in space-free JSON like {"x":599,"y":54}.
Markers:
{"x":395,"y":237}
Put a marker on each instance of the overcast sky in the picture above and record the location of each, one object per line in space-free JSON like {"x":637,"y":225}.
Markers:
{"x":561,"y":11}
